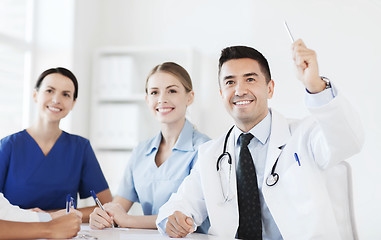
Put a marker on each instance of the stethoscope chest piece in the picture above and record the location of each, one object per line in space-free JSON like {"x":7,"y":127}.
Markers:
{"x":272,"y":179}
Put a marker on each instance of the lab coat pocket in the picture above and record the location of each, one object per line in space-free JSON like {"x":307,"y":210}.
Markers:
{"x":303,"y":187}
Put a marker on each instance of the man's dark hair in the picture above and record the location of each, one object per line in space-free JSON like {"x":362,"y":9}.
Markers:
{"x":238,"y":52}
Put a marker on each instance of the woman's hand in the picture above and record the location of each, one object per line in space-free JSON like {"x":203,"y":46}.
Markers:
{"x":99,"y":219}
{"x":62,"y":212}
{"x":117,"y":212}
{"x":66,"y":226}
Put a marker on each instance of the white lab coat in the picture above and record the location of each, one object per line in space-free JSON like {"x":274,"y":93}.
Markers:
{"x":10,"y":212}
{"x":304,"y":202}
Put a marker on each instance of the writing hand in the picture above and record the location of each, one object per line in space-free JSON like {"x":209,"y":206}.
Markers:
{"x":62,"y":212}
{"x":99,"y":219}
{"x":66,"y":226}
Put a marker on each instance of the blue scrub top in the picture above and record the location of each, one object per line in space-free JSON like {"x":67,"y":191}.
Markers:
{"x":30,"y":179}
{"x":152,"y":186}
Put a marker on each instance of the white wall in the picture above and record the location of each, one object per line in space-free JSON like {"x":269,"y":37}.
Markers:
{"x":52,"y":44}
{"x":88,"y":32}
{"x":345,"y":34}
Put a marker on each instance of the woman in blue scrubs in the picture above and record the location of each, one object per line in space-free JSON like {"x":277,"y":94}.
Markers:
{"x":159,"y":165}
{"x":42,"y":164}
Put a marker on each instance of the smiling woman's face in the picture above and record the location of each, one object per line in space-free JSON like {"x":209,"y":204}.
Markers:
{"x":167,"y":98}
{"x":54,"y":97}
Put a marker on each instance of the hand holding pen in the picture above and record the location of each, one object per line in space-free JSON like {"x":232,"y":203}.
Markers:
{"x":306,"y":64}
{"x":99,"y":218}
{"x":70,"y":208}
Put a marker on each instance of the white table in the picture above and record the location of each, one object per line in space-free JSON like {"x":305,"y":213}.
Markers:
{"x":131,"y":234}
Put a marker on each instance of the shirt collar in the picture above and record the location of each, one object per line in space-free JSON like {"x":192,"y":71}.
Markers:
{"x":261,"y":131}
{"x":182,"y":143}
{"x":185,"y":140}
{"x":153,"y":144}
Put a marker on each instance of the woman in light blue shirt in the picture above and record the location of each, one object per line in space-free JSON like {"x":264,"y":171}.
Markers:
{"x":159,"y":165}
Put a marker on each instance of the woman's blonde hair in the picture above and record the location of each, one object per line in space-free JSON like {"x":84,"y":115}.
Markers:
{"x":178,"y":71}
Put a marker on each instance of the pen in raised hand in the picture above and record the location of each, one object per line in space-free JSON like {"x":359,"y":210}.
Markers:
{"x":289,"y":32}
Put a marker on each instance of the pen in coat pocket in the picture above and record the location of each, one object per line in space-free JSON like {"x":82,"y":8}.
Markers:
{"x":297,"y":158}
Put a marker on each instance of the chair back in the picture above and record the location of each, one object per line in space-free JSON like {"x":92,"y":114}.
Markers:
{"x":339,"y":184}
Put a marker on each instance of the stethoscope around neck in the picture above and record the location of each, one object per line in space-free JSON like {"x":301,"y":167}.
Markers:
{"x":271,"y":180}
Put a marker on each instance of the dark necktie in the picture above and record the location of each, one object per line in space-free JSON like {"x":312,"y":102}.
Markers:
{"x":250,"y":223}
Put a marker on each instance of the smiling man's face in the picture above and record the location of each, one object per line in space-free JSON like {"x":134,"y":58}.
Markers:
{"x":245,"y":92}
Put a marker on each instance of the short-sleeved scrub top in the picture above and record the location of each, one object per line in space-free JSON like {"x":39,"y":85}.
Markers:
{"x":30,"y":179}
{"x":152,"y":186}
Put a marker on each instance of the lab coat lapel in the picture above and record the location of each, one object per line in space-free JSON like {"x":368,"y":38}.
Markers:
{"x":279,"y":136}
{"x":233,"y":209}
{"x":233,"y":182}
{"x":220,"y":212}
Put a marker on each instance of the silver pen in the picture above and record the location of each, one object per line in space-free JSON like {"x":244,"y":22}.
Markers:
{"x":289,"y":32}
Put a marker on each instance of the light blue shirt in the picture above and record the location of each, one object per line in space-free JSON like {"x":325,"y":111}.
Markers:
{"x":152,"y":186}
{"x":258,"y":147}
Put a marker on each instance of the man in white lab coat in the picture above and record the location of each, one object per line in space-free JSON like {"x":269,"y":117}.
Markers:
{"x":293,"y":159}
